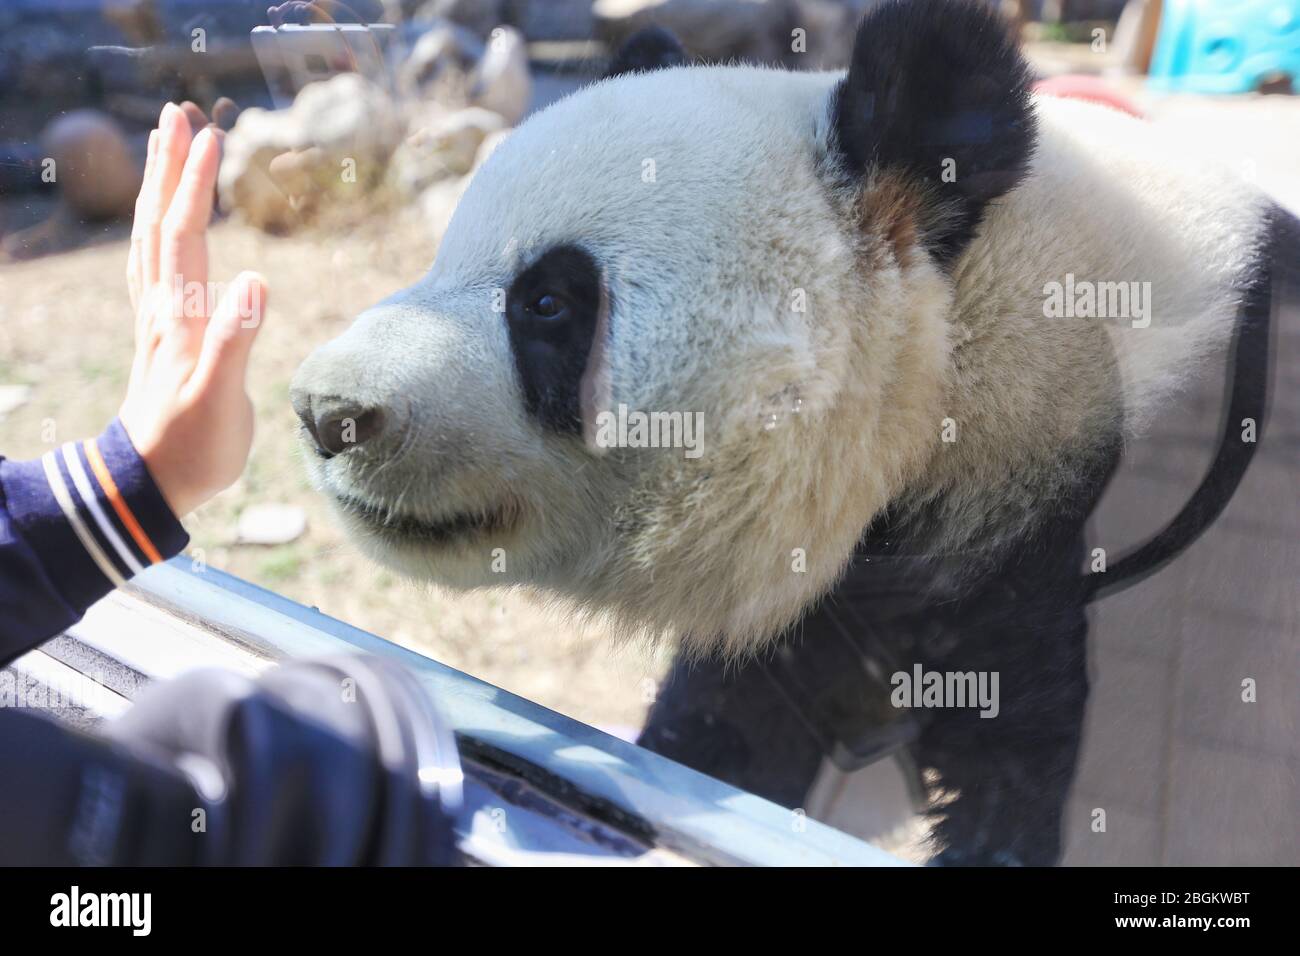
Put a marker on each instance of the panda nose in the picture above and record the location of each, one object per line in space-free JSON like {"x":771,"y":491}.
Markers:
{"x":335,"y":427}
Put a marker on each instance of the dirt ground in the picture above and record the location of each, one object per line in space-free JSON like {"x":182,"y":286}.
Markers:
{"x":65,"y":331}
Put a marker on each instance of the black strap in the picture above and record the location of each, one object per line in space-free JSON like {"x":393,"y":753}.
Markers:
{"x":1249,"y":371}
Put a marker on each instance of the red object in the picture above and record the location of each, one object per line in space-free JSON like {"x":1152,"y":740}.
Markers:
{"x":1087,"y":88}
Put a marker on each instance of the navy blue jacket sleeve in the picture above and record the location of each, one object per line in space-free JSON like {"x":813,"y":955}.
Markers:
{"x":75,"y":523}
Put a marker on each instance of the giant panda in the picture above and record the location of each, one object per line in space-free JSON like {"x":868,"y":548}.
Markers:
{"x":845,"y":277}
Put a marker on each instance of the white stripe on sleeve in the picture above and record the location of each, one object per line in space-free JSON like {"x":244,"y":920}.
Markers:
{"x":64,"y":498}
{"x":87,"y":492}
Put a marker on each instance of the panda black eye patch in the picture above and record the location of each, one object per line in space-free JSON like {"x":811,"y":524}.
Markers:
{"x":552,"y":309}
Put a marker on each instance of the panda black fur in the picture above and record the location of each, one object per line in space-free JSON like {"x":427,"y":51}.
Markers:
{"x":639,"y":244}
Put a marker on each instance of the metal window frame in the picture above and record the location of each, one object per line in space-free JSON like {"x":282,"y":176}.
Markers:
{"x":540,"y":787}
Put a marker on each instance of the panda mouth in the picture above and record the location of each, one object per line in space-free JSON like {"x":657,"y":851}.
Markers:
{"x":390,"y":524}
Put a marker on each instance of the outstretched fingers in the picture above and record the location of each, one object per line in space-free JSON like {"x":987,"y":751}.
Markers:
{"x":163,"y":176}
{"x":228,"y":339}
{"x":184,"y":248}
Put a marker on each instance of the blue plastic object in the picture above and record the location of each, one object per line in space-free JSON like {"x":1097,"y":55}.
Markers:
{"x":1226,"y":46}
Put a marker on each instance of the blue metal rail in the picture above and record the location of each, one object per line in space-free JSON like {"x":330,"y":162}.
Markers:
{"x":614,"y":794}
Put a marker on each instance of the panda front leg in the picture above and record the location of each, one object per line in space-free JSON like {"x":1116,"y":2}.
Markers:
{"x":1000,"y":784}
{"x":997,"y":784}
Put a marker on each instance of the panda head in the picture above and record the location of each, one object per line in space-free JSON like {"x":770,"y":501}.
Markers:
{"x":747,"y":266}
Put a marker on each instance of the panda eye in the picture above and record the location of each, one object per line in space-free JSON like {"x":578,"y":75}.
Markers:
{"x":547,"y":306}
{"x":553,"y":311}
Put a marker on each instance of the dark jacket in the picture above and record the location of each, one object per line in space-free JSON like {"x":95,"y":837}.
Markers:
{"x":75,"y":523}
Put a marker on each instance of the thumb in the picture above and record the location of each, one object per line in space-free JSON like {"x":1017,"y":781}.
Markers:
{"x":228,"y":338}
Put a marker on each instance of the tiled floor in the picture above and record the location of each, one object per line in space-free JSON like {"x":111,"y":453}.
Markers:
{"x":1188,"y":772}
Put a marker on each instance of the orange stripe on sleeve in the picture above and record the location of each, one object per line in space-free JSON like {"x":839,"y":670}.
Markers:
{"x":105,"y":478}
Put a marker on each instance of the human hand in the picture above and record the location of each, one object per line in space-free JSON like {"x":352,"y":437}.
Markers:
{"x":186,"y":408}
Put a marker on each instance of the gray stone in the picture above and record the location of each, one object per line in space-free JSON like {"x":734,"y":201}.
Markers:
{"x":501,"y":81}
{"x":438,"y":202}
{"x":335,"y":141}
{"x":270,"y":524}
{"x":440,"y":64}
{"x":13,"y":397}
{"x":445,"y":150}
{"x":96,"y":174}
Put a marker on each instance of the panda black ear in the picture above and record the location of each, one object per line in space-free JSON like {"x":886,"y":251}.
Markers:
{"x":650,"y":48}
{"x":938,"y":93}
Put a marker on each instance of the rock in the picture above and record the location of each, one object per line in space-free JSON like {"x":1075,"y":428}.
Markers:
{"x":440,"y":63}
{"x":438,"y":202}
{"x":339,"y":134}
{"x":13,"y":397}
{"x":295,"y":172}
{"x":347,"y":114}
{"x":502,"y":82}
{"x":449,"y":66}
{"x":443,"y":151}
{"x":269,"y":524}
{"x":244,"y":182}
{"x":344,"y":136}
{"x":95,"y":171}
{"x":490,"y":142}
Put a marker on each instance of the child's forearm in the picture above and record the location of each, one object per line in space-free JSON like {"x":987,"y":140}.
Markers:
{"x":75,"y":523}
{"x":82,"y":519}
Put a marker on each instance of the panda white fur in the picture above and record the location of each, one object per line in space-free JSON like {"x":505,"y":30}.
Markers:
{"x":783,"y":253}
